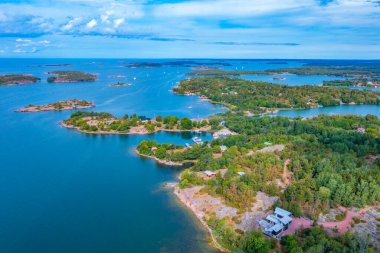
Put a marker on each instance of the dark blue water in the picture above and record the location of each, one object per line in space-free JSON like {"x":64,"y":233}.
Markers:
{"x":63,"y":191}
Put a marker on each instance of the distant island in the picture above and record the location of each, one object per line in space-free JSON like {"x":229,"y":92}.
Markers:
{"x":58,"y":106}
{"x":58,"y":65}
{"x":14,"y":79}
{"x":62,"y":76}
{"x":329,"y":70}
{"x":106,"y":123}
{"x":119,"y":84}
{"x":144,"y":65}
{"x":175,"y":64}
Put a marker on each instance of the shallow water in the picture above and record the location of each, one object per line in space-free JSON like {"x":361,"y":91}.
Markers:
{"x":63,"y":191}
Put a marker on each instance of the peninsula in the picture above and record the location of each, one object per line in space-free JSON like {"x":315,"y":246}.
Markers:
{"x":71,"y":104}
{"x":255,"y":97}
{"x":237,"y":181}
{"x":14,"y":79}
{"x":63,"y":76}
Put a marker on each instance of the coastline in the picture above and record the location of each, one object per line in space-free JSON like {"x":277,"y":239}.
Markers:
{"x":160,"y":161}
{"x":182,"y":200}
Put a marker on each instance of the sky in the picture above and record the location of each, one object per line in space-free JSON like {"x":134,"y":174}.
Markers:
{"x":254,"y":29}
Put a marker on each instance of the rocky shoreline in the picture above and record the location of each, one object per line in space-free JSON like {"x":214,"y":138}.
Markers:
{"x":160,"y":161}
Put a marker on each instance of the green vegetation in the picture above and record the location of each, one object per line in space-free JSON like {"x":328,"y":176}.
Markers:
{"x":316,"y":240}
{"x":353,"y":83}
{"x":252,"y":241}
{"x":328,"y":167}
{"x":62,"y":76}
{"x":327,"y":162}
{"x":18,"y":79}
{"x":259,"y":97}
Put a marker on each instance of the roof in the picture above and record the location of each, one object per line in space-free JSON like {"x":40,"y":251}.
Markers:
{"x":267,"y":143}
{"x":272,"y":218}
{"x":277,"y":227}
{"x":285,"y":220}
{"x":264,"y":224}
{"x":241,"y":173}
{"x":282,"y":212}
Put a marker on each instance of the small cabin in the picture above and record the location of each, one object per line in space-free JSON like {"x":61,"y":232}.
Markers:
{"x":241,"y":173}
{"x":153,"y":149}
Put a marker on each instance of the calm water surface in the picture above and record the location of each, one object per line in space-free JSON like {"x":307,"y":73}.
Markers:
{"x":63,"y":191}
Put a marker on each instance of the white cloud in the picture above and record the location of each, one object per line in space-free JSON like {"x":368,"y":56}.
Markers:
{"x":91,"y":24}
{"x":2,"y":51}
{"x":118,"y":22}
{"x":23,"y":40}
{"x":25,"y":51}
{"x":71,"y":24}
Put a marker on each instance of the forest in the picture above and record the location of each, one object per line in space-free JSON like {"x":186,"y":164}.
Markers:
{"x":330,"y":161}
{"x":70,"y":76}
{"x":17,"y":79}
{"x":353,"y":83}
{"x":259,"y":97}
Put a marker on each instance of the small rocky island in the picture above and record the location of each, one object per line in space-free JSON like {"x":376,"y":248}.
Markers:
{"x":119,"y":84}
{"x":58,"y":106}
{"x":14,"y":79}
{"x":61,"y":76}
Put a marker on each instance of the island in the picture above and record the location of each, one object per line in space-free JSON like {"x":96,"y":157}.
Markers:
{"x":14,"y":79}
{"x":119,"y":84}
{"x":106,"y":123}
{"x":255,"y":97}
{"x":63,"y":76}
{"x":71,"y":104}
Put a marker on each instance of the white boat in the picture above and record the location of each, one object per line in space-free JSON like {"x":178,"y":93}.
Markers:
{"x":197,"y":140}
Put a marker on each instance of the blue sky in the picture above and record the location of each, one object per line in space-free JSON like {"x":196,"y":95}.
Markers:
{"x":344,"y":29}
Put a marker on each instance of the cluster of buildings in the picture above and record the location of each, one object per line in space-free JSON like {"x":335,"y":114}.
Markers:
{"x":274,"y":224}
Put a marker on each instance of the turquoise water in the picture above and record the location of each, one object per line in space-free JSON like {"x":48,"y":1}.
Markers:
{"x":63,"y":191}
